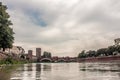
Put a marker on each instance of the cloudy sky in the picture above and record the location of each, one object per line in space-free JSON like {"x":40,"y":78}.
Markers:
{"x":64,"y":27}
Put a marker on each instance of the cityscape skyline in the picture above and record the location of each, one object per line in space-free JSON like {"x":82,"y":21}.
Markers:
{"x":64,"y":27}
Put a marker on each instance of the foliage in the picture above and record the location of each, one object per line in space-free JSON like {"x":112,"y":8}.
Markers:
{"x":7,"y":61}
{"x":91,"y":53}
{"x":10,"y":60}
{"x":82,"y":54}
{"x":102,"y":52}
{"x":110,"y":51}
{"x":6,"y":32}
{"x":46,"y":54}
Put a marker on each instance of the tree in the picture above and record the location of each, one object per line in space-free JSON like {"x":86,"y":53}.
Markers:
{"x":102,"y":51}
{"x":91,"y":53}
{"x":111,"y":49}
{"x":118,"y":48}
{"x":82,"y":54}
{"x":46,"y":54}
{"x":6,"y":32}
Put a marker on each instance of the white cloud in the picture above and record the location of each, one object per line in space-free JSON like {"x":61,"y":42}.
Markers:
{"x":64,"y":27}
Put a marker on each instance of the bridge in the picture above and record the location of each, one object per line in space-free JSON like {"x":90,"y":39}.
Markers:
{"x":46,"y":60}
{"x":58,"y":59}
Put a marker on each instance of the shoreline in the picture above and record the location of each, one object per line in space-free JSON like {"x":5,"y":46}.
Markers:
{"x":101,"y":59}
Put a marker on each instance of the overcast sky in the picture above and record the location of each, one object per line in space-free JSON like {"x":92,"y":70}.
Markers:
{"x":64,"y":27}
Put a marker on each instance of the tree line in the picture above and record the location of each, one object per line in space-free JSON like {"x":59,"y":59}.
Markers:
{"x":109,"y":51}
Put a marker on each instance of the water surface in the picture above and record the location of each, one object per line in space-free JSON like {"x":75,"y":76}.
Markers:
{"x":64,"y":71}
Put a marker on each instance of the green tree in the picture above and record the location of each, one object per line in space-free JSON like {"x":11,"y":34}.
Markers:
{"x":46,"y":54}
{"x":102,"y":52}
{"x":111,"y":49}
{"x":6,"y":32}
{"x":82,"y":54}
{"x":118,"y":49}
{"x":91,"y":53}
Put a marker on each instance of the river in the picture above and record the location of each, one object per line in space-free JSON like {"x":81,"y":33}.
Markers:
{"x":63,"y":71}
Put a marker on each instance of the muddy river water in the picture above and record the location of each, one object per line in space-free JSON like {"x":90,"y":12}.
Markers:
{"x":63,"y":71}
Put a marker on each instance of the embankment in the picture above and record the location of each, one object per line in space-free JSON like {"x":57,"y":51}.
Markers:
{"x":100,"y":59}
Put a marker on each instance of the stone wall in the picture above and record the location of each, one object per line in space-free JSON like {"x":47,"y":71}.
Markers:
{"x":100,"y":59}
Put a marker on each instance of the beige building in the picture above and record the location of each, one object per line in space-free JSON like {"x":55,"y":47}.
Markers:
{"x":17,"y":50}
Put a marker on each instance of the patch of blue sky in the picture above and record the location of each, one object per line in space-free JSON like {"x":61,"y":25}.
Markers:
{"x":36,"y":18}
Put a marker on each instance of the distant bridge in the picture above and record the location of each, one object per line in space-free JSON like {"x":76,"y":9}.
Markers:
{"x":46,"y":60}
{"x":59,"y":59}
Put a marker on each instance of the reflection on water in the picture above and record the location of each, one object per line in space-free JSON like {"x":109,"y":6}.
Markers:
{"x":101,"y":71}
{"x":114,"y":67}
{"x":64,"y":71}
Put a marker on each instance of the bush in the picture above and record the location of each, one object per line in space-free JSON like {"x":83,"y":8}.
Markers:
{"x":10,"y":60}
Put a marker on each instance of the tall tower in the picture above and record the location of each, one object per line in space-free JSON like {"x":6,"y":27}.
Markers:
{"x":38,"y":53}
{"x":30,"y":52}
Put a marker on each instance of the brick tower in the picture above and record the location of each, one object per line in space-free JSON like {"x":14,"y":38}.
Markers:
{"x":38,"y":54}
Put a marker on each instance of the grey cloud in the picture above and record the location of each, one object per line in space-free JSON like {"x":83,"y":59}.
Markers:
{"x":106,"y":15}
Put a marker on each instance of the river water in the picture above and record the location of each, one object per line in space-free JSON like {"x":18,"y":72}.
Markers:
{"x":63,"y":71}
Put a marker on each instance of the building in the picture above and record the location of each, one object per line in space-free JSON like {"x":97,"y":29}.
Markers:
{"x":30,"y":52}
{"x":15,"y":52}
{"x":38,"y":53}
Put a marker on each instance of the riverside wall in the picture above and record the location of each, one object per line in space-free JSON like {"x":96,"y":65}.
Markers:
{"x":100,"y":59}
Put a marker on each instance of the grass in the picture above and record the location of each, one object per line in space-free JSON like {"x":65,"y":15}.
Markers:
{"x":10,"y":60}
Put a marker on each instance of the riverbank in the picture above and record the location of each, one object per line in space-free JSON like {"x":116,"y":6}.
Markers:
{"x":10,"y":61}
{"x":7,"y":59}
{"x":101,"y":59}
